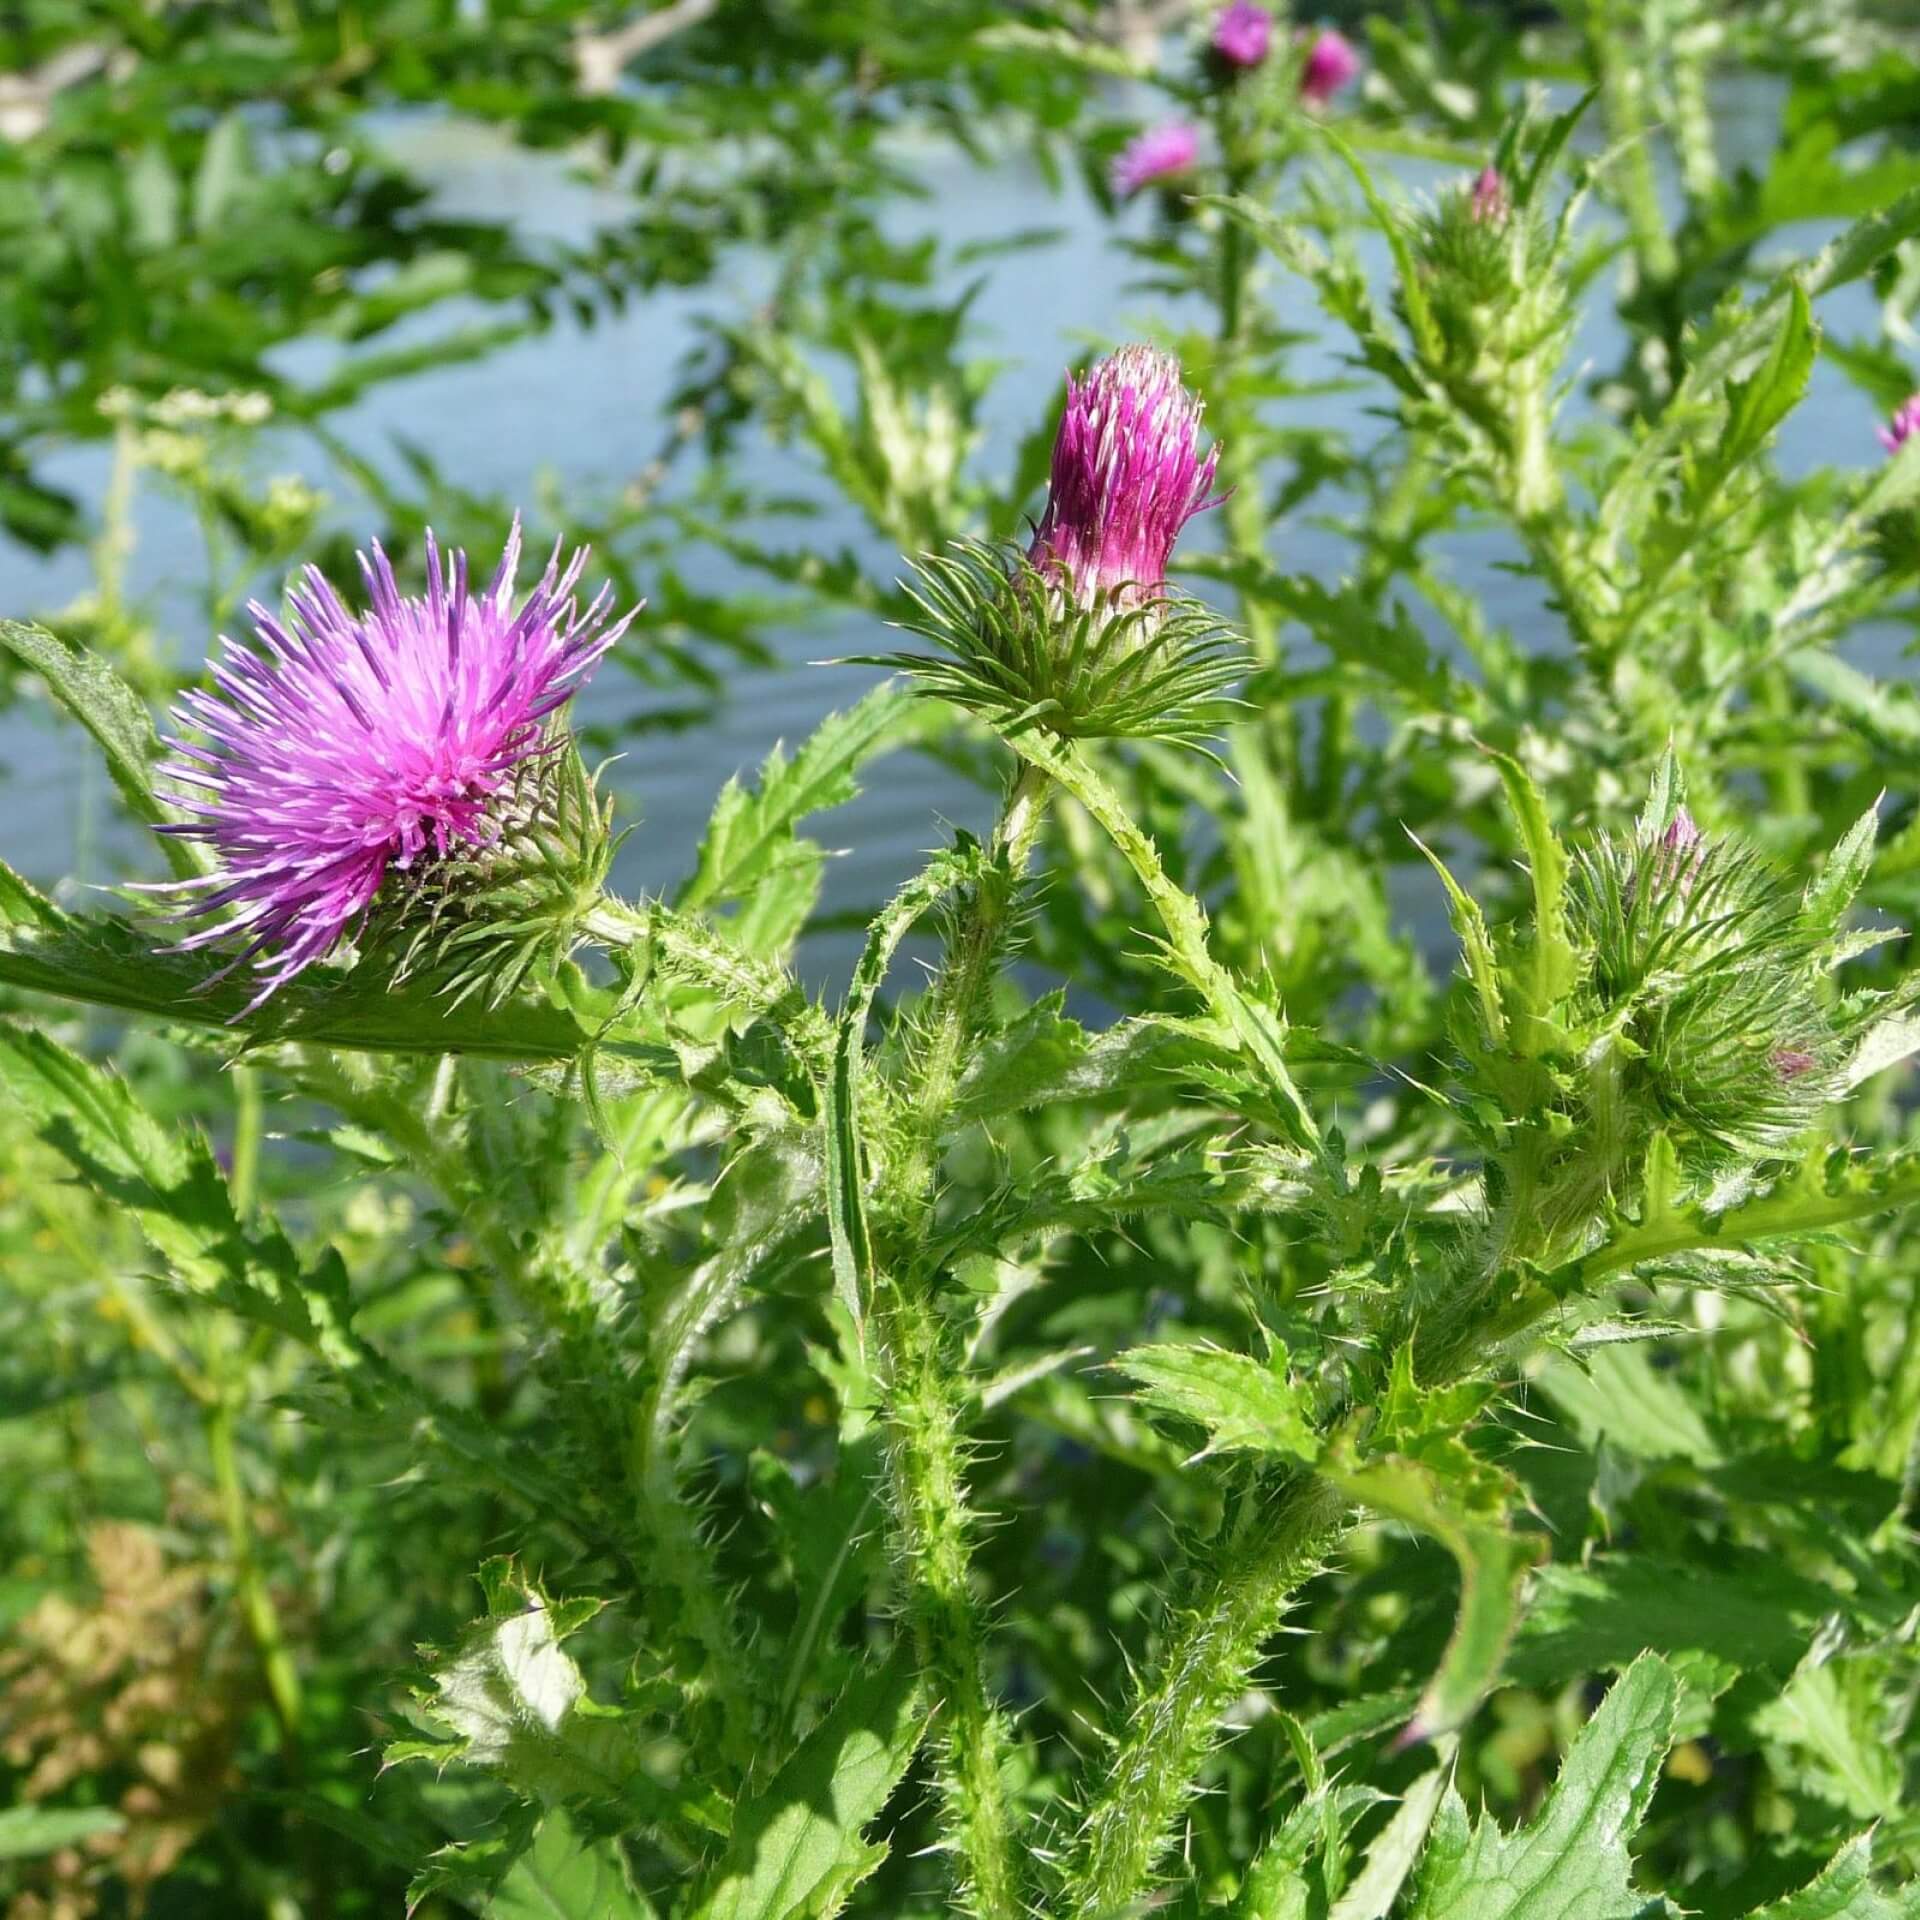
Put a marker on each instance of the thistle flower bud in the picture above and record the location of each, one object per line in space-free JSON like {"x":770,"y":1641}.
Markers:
{"x":1901,"y":428}
{"x":1128,"y":474}
{"x":1331,"y":65}
{"x":1242,"y":35}
{"x":1490,"y":202}
{"x":1160,"y":153}
{"x":1082,"y":634}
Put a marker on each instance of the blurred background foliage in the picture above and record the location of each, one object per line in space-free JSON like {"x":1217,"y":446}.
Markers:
{"x":250,"y":313}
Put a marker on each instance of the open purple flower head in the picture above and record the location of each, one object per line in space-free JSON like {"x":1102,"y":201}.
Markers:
{"x":1331,"y":64}
{"x":1903,"y":426}
{"x":1243,"y":33}
{"x":1160,"y":153}
{"x":1128,"y":474}
{"x":347,"y":745}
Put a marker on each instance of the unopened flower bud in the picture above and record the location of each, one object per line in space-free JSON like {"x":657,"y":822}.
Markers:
{"x":1160,"y":153}
{"x":1331,"y":65}
{"x":1242,"y":34}
{"x":1128,"y":474}
{"x":1491,"y":203}
{"x":1904,"y":424}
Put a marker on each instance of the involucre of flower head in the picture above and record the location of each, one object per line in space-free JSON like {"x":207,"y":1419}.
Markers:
{"x":1331,"y":65}
{"x":1242,"y":34}
{"x":1128,"y":474}
{"x":345,"y":747}
{"x":1901,"y":428}
{"x":1159,"y":153}
{"x":1705,"y":973}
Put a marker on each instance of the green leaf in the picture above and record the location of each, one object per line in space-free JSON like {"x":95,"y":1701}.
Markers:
{"x":564,"y":1876}
{"x":1748,"y":1610}
{"x":797,"y":1846}
{"x":1493,"y":1562}
{"x":28,"y":1832}
{"x":1391,"y":1857}
{"x":1573,"y":1853}
{"x":1845,"y":872}
{"x":165,"y":1176}
{"x":752,"y":859}
{"x":1844,"y":1890}
{"x":106,"y":962}
{"x":1476,"y":947}
{"x":1836,"y":1715}
{"x":1614,"y":1393}
{"x":226,"y":165}
{"x":1553,"y":971}
{"x":1757,"y":405}
{"x":510,"y":1699}
{"x":1245,"y":1405}
{"x":88,"y":689}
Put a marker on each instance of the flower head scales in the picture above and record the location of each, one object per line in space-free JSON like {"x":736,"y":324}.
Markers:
{"x":344,"y":746}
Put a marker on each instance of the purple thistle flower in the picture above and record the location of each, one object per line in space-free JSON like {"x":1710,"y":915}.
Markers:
{"x":1901,"y":428}
{"x":1128,"y":474}
{"x":347,"y":745}
{"x":1331,"y":65}
{"x":1490,"y":203}
{"x":1160,"y":153}
{"x":1791,"y":1062}
{"x":1242,"y":34}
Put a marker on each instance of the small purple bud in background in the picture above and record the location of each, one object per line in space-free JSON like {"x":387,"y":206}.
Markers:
{"x":1901,"y":428}
{"x":344,"y":745}
{"x":1128,"y":474}
{"x":1160,"y":153}
{"x":1491,"y":204}
{"x":1331,"y":65}
{"x":1682,"y":834}
{"x":1242,"y":34}
{"x":1790,"y":1063}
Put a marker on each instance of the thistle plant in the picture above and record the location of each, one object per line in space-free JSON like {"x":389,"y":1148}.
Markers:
{"x":1112,"y":1366}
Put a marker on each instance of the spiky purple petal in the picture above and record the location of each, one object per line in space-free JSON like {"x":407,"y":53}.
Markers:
{"x":343,"y":746}
{"x":1128,"y":474}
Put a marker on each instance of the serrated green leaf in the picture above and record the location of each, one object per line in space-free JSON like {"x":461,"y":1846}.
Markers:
{"x":1551,"y":973}
{"x":797,"y":1845}
{"x":89,"y":689}
{"x":1576,"y":1845}
{"x":1844,"y":1890}
{"x":1245,"y":1405}
{"x":564,"y":1876}
{"x":1757,"y":405}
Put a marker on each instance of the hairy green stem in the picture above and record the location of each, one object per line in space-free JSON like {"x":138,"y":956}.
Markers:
{"x":969,"y":968}
{"x":934,"y":1530}
{"x":925,"y":1402}
{"x":1273,"y":1549}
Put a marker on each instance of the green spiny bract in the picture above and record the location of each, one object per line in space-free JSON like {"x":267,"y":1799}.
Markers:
{"x":485,"y":919}
{"x":1022,"y":653}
